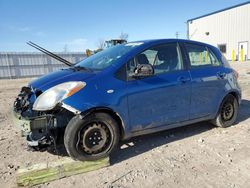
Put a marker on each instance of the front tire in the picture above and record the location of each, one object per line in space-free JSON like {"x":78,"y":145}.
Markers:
{"x":91,"y":138}
{"x":227,"y":113}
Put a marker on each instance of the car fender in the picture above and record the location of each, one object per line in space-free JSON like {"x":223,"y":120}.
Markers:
{"x":231,"y":91}
{"x":100,"y":96}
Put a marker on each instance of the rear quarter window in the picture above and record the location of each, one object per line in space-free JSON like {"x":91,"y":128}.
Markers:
{"x":214,"y":60}
{"x":225,"y":62}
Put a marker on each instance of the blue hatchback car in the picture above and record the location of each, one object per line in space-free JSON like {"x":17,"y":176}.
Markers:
{"x":128,"y":90}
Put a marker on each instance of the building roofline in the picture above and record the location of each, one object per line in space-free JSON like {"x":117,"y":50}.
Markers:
{"x":218,"y":11}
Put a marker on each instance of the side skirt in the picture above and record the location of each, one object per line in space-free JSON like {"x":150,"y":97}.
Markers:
{"x":166,"y":127}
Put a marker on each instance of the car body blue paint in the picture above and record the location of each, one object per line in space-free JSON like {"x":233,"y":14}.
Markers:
{"x":158,"y":100}
{"x":174,"y":103}
{"x":58,"y":77}
{"x":206,"y":88}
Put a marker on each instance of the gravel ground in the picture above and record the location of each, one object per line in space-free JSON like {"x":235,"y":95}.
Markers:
{"x":198,"y":155}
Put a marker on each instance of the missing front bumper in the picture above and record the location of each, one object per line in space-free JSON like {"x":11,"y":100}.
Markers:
{"x":36,"y":130}
{"x":22,"y":123}
{"x":28,"y":125}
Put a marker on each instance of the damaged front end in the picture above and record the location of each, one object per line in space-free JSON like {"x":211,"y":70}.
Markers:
{"x":41,"y":128}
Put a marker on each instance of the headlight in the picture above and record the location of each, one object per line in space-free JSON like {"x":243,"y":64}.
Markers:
{"x":50,"y":98}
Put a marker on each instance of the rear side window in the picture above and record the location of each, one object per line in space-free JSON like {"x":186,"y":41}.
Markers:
{"x":200,"y":56}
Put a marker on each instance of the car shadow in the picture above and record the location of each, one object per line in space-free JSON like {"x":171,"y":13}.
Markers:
{"x":244,"y":111}
{"x":141,"y":144}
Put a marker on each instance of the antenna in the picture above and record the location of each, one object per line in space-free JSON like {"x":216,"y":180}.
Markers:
{"x":50,"y":53}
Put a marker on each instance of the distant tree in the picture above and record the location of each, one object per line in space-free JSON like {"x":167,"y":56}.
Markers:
{"x":123,"y":36}
{"x":101,"y":44}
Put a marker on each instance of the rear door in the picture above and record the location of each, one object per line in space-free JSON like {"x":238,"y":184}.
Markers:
{"x":163,"y":98}
{"x":208,"y":80}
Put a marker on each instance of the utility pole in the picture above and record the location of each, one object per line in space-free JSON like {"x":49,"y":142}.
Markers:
{"x":65,"y":48}
{"x":187,"y":25}
{"x":177,"y":34}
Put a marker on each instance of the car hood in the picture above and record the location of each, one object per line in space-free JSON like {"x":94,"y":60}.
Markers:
{"x":65,"y":75}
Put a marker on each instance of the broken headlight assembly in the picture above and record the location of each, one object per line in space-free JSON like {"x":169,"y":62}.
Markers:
{"x":50,"y":98}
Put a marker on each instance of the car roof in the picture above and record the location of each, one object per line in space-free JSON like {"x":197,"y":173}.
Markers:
{"x":159,"y":41}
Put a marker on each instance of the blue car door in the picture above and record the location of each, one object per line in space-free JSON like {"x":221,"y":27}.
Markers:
{"x":163,"y":98}
{"x":208,"y":80}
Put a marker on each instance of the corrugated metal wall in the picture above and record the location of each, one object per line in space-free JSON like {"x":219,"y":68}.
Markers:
{"x":226,"y":27}
{"x":20,"y":65}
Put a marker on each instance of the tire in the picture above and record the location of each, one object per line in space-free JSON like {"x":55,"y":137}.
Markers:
{"x":91,"y":138}
{"x":227,"y":113}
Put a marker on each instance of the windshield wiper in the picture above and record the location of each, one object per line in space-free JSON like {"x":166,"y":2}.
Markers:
{"x":79,"y":68}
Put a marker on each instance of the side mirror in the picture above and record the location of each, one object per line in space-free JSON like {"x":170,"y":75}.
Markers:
{"x":143,"y":70}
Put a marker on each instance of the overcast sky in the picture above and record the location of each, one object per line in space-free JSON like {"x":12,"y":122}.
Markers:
{"x":80,"y":24}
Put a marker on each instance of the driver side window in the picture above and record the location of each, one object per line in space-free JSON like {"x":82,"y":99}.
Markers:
{"x":164,"y":58}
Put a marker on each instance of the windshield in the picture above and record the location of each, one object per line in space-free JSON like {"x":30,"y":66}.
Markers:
{"x":107,"y":57}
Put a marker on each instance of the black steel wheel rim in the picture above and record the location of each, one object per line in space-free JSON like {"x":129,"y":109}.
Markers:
{"x":227,"y":111}
{"x":94,"y":138}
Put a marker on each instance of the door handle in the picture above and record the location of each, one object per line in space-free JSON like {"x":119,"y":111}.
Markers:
{"x":183,"y":79}
{"x":221,"y":75}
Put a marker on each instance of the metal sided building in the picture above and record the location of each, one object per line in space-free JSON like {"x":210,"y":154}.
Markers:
{"x":228,"y":29}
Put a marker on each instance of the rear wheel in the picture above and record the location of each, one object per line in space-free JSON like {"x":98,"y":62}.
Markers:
{"x":227,"y":113}
{"x":92,"y":137}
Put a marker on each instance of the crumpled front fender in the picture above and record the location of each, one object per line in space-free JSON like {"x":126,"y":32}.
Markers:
{"x":74,"y":110}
